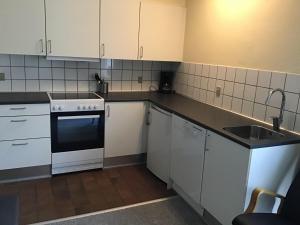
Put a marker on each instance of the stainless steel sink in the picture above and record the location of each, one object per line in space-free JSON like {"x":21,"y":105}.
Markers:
{"x":254,"y":132}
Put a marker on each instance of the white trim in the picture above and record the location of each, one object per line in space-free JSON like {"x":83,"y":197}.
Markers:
{"x":105,"y":211}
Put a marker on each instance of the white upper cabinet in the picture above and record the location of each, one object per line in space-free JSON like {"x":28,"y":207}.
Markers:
{"x":119,"y":29}
{"x":22,"y":27}
{"x":162,"y":27}
{"x":72,"y":28}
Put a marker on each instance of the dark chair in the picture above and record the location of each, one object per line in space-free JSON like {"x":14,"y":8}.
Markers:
{"x":288,"y":212}
{"x":9,"y":210}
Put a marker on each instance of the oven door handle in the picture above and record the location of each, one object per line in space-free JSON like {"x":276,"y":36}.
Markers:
{"x":78,"y":117}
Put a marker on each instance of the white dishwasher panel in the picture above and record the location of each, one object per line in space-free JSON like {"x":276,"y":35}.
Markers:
{"x":187,"y":156}
{"x":159,"y":143}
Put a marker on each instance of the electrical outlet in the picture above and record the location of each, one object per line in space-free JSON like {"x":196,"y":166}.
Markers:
{"x":140,"y":80}
{"x":218,"y":91}
{"x":2,"y":76}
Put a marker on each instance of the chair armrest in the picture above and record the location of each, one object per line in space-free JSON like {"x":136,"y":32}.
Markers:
{"x":257,"y":192}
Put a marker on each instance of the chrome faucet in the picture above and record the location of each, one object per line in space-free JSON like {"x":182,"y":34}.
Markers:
{"x":277,"y":121}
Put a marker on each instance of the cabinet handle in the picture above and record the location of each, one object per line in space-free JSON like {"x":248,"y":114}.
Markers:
{"x":103,"y":50}
{"x":159,"y":110}
{"x":42,"y":45}
{"x":196,"y":128}
{"x":20,"y":108}
{"x":206,"y":150}
{"x":18,"y":121}
{"x":50,"y":46}
{"x":108,"y":111}
{"x":20,"y":144}
{"x":141,"y":52}
{"x":148,"y":119}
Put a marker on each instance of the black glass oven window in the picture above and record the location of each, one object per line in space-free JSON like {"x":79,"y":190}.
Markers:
{"x":77,"y":130}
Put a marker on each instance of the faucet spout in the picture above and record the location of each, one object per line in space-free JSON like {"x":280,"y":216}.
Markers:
{"x":277,"y":121}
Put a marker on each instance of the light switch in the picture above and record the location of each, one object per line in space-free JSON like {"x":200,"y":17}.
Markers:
{"x":140,"y":80}
{"x":2,"y":76}
{"x":218,"y":91}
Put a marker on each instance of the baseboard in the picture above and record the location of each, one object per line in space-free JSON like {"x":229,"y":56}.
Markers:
{"x":125,"y":160}
{"x":22,"y":174}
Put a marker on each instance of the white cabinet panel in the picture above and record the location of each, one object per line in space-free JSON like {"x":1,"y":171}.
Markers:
{"x":162,"y":27}
{"x":188,"y":143}
{"x":125,"y":128}
{"x":24,"y":110}
{"x":159,"y":143}
{"x":73,"y":28}
{"x":22,"y":27}
{"x":225,"y":178}
{"x":23,"y":127}
{"x":25,"y":153}
{"x":119,"y":29}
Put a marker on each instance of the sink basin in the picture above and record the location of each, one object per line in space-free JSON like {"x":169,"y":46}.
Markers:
{"x":254,"y":132}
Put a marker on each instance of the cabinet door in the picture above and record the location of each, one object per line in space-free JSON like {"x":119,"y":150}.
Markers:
{"x":124,"y":128}
{"x":188,"y":143}
{"x":162,"y":27}
{"x":22,"y":27}
{"x":25,"y":153}
{"x":73,"y":28}
{"x":225,"y":178}
{"x":159,"y":143}
{"x":119,"y":29}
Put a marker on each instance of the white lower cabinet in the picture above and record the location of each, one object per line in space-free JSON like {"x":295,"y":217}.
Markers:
{"x":159,"y":143}
{"x":232,"y":172}
{"x":24,"y":136}
{"x":187,"y":156}
{"x":25,"y":153}
{"x":125,"y":128}
{"x":224,"y":178}
{"x":23,"y":127}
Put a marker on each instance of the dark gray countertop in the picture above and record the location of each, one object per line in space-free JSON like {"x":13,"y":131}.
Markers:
{"x":10,"y":98}
{"x":209,"y":117}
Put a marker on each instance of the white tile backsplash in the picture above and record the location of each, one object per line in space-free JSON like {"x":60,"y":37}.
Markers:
{"x":242,"y":90}
{"x":240,"y":75}
{"x":251,"y":77}
{"x":264,"y":79}
{"x":18,"y":73}
{"x":18,"y":85}
{"x":278,"y":80}
{"x":31,"y":61}
{"x":17,"y":60}
{"x":32,"y":73}
{"x":230,"y":74}
{"x":292,"y":83}
{"x":4,"y":60}
{"x":32,"y":86}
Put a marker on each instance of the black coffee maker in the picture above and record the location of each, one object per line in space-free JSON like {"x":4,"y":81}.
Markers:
{"x":166,"y":82}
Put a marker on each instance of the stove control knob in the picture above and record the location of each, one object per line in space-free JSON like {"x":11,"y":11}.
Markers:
{"x":78,"y":107}
{"x":83,"y":107}
{"x":59,"y":108}
{"x":95,"y":107}
{"x":90,"y":107}
{"x":53,"y":108}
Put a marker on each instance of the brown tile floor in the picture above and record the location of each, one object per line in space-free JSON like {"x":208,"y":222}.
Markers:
{"x":78,"y":193}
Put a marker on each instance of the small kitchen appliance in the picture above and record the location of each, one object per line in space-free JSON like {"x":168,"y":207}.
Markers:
{"x":166,"y":82}
{"x":77,"y":131}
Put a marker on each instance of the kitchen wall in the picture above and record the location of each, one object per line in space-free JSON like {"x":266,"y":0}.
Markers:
{"x":33,"y":73}
{"x":243,"y":90}
{"x":262,"y":34}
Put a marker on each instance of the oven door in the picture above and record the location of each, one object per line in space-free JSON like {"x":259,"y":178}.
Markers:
{"x":72,"y":131}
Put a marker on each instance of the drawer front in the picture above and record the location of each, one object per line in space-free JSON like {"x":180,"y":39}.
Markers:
{"x":25,"y":153}
{"x":24,"y":127}
{"x":24,"y":110}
